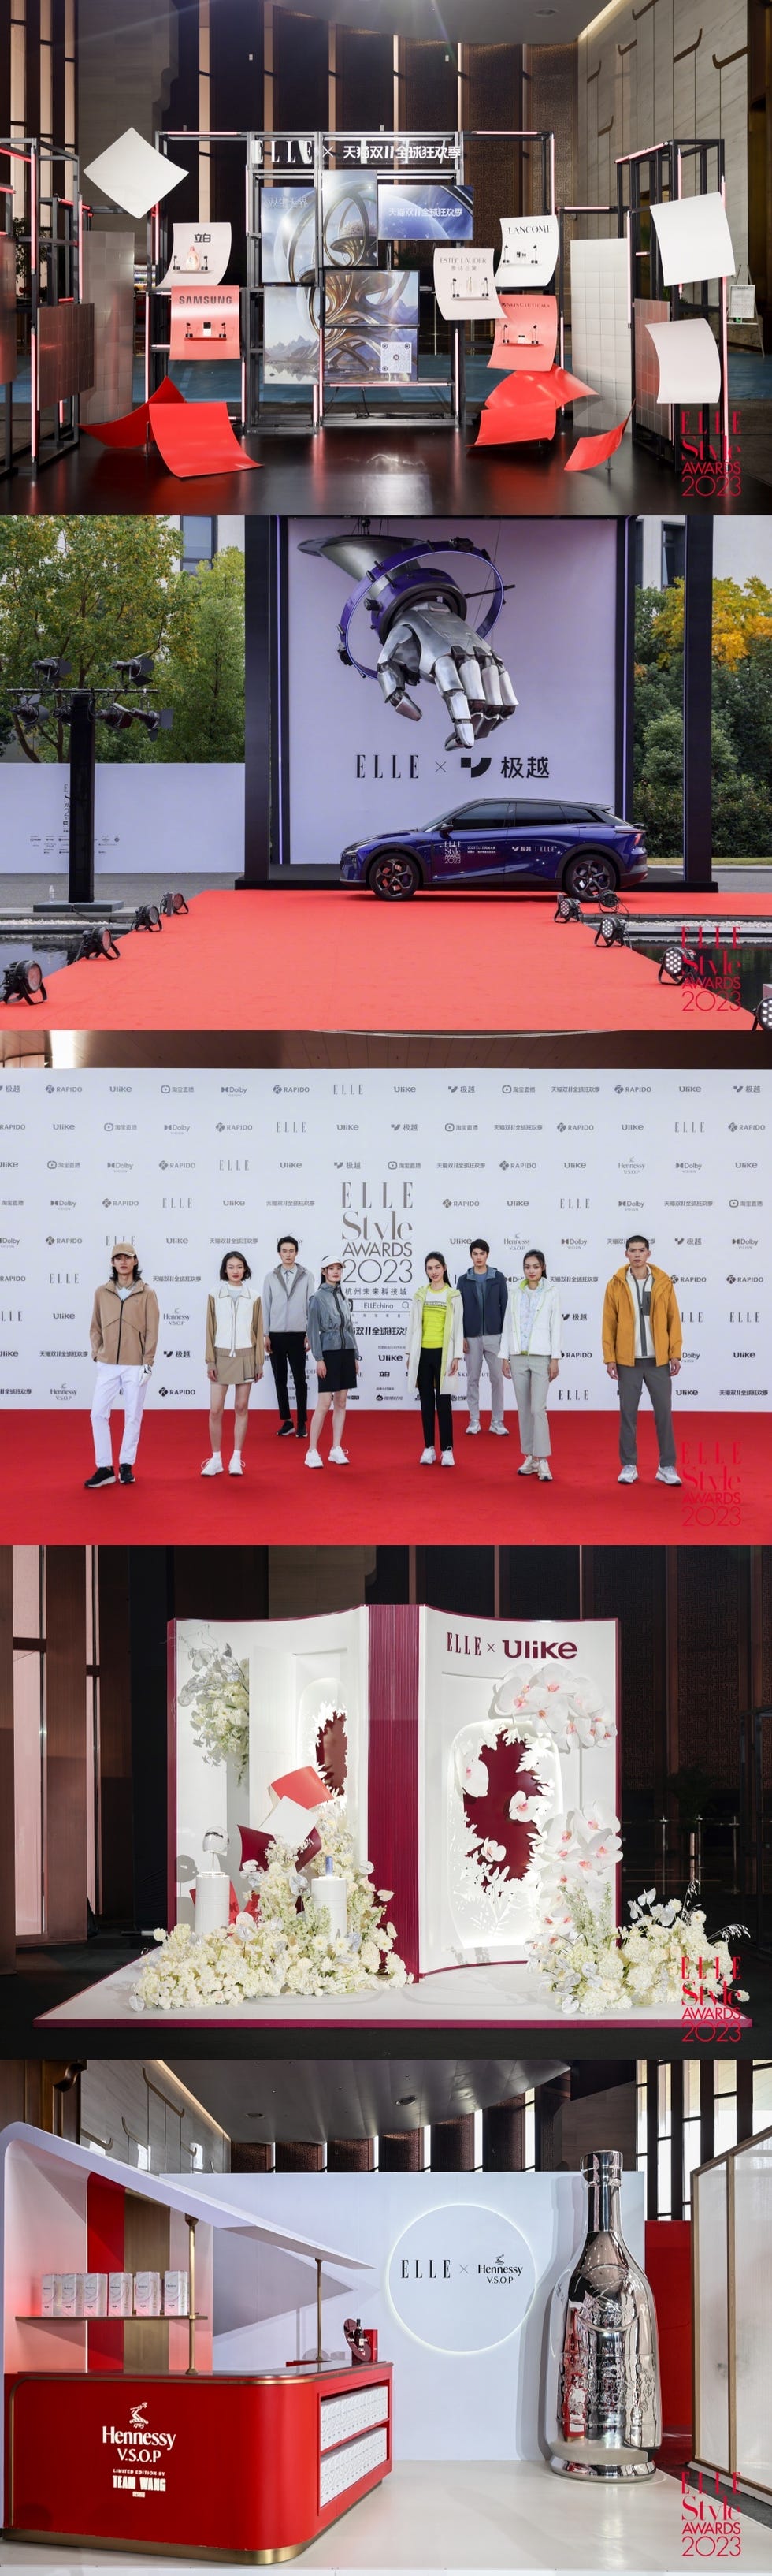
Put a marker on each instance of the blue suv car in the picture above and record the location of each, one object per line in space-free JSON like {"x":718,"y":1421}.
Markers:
{"x":507,"y":841}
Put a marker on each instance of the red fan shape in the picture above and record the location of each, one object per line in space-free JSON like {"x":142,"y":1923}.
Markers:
{"x":505,"y":1765}
{"x":595,"y":450}
{"x":194,"y":438}
{"x":521,"y":407}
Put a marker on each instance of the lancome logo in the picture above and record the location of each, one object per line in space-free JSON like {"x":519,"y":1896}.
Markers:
{"x":534,"y":1650}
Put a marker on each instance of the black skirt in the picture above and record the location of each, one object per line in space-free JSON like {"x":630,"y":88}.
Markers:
{"x":340,"y":1372}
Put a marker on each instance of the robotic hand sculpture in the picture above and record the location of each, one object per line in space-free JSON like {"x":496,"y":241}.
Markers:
{"x":419,"y":614}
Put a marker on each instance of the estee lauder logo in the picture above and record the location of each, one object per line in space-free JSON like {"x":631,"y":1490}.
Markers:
{"x":530,"y":1650}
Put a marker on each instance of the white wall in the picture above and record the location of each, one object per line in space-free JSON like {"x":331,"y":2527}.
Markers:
{"x":155,"y":820}
{"x":482,"y":2401}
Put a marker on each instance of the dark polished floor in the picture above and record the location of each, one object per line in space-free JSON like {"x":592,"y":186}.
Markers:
{"x":349,"y":470}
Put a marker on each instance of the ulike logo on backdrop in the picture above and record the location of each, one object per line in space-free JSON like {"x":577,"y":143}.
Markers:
{"x":383,"y":1170}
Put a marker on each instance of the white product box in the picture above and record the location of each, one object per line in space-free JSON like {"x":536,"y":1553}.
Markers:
{"x":95,"y":2294}
{"x":51,"y":2294}
{"x":120,"y":2294}
{"x":147,"y":2294}
{"x":72,"y":2294}
{"x":176,"y":2294}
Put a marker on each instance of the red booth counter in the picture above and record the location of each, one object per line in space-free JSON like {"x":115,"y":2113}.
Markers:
{"x":220,"y":2465}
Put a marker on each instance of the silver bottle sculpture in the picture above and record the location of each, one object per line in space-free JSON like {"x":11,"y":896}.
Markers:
{"x":607,"y":2418}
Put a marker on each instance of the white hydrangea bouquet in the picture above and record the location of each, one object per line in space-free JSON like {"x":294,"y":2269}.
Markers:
{"x":592,"y":1966}
{"x":278,"y":1951}
{"x":218,"y":1693}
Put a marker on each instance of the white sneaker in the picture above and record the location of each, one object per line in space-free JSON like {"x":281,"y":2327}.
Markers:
{"x":528,"y":1467}
{"x":447,"y":1459}
{"x":667,"y":1476}
{"x":236,"y":1468}
{"x":473,"y":1427}
{"x":543,"y":1470}
{"x":213,"y":1466}
{"x":313,"y":1459}
{"x":427,"y":1455}
{"x":338,"y":1457}
{"x":628,"y":1476}
{"x":500,"y":1431}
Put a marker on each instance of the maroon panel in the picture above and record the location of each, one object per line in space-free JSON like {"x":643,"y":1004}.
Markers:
{"x":393,"y":1768}
{"x":7,"y":309}
{"x":66,"y":351}
{"x":7,"y":1815}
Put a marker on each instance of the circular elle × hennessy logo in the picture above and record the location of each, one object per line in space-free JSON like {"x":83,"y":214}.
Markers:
{"x":461,"y":2279}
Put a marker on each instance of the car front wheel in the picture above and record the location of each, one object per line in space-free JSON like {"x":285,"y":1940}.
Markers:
{"x":592,"y":873}
{"x":393,"y":875}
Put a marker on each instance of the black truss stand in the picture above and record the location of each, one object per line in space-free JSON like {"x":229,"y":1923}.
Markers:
{"x":82,"y":796}
{"x":8,"y":324}
{"x":650,"y":177}
{"x":436,"y":401}
{"x":51,"y":242}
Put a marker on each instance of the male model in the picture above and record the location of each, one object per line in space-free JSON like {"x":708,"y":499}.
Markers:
{"x":484,"y":1300}
{"x":286,"y":1292}
{"x":124,"y":1337}
{"x":642,"y":1347}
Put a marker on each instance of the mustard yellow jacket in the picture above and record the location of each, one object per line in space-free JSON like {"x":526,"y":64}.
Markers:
{"x":619,"y":1319}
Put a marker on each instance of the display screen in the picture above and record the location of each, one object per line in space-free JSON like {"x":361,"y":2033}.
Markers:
{"x":288,"y":236}
{"x":349,"y":219}
{"x":290,"y":337}
{"x":424,"y":210}
{"x":371,"y":327}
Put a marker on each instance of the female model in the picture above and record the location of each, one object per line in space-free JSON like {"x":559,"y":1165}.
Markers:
{"x":234,"y":1356}
{"x":435,"y":1346}
{"x":333,"y":1345}
{"x":530,"y":1354}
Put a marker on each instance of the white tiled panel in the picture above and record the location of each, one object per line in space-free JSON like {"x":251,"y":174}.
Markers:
{"x":352,"y":2413}
{"x":342,"y":2468}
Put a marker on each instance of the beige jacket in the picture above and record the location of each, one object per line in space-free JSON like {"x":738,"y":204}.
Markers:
{"x":233,"y":1325}
{"x":124,"y":1330}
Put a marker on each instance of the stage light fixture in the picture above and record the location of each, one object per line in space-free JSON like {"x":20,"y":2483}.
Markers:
{"x":29,"y":706}
{"x":154,"y":719}
{"x":51,"y":670}
{"x":147,"y":917}
{"x":98,"y":942}
{"x":673,"y":964}
{"x":173,"y":903}
{"x":23,"y":982}
{"x":611,"y":933}
{"x":567,"y":908}
{"x":762,"y":1017}
{"x":138,"y":670}
{"x":118,"y":718}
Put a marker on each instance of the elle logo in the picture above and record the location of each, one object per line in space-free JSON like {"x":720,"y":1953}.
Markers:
{"x":533,"y":1650}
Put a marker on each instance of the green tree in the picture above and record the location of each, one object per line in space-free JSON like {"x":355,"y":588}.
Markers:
{"x":203,"y":679}
{"x":91,"y":591}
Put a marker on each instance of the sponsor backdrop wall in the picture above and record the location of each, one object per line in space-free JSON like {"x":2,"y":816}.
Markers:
{"x":463,"y":2269}
{"x":363,"y":769}
{"x":383,"y":1168}
{"x":154,"y":817}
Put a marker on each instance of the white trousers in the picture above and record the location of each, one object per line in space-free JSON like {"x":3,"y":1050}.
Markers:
{"x":531,"y":1382}
{"x":124,"y":1386}
{"x":484,"y":1346}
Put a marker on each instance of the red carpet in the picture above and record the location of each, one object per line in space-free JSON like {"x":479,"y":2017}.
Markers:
{"x":383,"y":1495}
{"x":490,"y":962}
